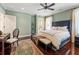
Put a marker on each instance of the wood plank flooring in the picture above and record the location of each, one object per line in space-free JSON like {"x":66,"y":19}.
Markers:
{"x":69,"y":49}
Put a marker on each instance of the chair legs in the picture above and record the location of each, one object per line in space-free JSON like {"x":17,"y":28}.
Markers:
{"x":12,"y":45}
{"x":17,"y":43}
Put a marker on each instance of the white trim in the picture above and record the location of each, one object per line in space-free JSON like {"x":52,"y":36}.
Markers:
{"x":24,"y":36}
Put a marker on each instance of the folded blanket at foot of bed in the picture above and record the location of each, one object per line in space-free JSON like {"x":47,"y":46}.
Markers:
{"x":56,"y":37}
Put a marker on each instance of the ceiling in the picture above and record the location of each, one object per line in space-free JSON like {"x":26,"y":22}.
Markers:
{"x":32,"y":8}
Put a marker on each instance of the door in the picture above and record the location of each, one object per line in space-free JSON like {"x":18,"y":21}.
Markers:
{"x":10,"y":24}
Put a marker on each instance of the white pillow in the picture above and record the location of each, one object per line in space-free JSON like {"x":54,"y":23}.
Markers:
{"x":54,"y":28}
{"x":64,"y":28}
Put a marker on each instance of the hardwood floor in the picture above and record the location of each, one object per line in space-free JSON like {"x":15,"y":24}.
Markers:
{"x":68,"y":49}
{"x":76,"y":51}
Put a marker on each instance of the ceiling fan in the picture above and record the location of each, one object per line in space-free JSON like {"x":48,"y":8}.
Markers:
{"x":46,"y":6}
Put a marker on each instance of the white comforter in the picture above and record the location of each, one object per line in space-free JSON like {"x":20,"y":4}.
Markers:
{"x":55,"y":36}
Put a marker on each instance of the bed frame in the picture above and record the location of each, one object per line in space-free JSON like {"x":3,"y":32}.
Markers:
{"x":62,"y":23}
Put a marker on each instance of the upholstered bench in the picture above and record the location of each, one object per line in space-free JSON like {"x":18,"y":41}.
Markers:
{"x":45,"y":41}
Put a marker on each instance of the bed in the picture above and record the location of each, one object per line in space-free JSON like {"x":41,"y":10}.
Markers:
{"x":59,"y":38}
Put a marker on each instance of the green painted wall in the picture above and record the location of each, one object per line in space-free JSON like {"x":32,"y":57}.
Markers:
{"x":35,"y":21}
{"x":23,"y":22}
{"x":65,"y":15}
{"x":2,"y":9}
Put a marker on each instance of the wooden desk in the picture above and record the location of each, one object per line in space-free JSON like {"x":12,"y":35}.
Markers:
{"x":3,"y":38}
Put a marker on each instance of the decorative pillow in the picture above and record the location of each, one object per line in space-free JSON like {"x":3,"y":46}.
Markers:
{"x":64,"y":28}
{"x":54,"y":28}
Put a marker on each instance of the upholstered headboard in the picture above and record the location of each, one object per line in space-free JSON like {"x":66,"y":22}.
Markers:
{"x":63,"y":23}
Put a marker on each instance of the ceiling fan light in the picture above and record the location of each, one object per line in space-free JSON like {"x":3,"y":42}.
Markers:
{"x":22,"y":8}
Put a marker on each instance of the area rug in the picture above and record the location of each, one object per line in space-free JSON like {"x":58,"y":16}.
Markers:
{"x":26,"y":47}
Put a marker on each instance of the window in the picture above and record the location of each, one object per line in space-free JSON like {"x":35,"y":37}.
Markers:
{"x":40,"y":24}
{"x":48,"y":23}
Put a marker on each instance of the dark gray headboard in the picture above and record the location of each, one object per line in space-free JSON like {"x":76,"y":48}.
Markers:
{"x":63,"y":23}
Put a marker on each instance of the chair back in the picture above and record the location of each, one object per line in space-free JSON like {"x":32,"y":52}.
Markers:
{"x":16,"y":33}
{"x":0,"y":32}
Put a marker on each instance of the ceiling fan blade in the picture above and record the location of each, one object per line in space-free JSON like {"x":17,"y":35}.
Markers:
{"x":45,"y":4}
{"x":42,"y":5}
{"x":41,"y":9}
{"x":50,"y":9}
{"x":51,"y":5}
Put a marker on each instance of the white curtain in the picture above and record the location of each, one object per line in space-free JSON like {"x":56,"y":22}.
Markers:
{"x":40,"y":24}
{"x":2,"y":22}
{"x":76,"y":11}
{"x":49,"y":22}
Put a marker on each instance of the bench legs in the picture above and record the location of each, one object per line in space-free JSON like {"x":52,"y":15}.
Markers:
{"x":46,"y":49}
{"x":17,"y":43}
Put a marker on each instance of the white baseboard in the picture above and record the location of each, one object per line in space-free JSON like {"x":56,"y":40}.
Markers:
{"x":24,"y":36}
